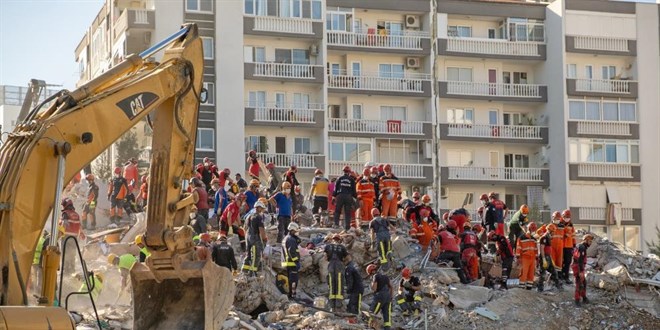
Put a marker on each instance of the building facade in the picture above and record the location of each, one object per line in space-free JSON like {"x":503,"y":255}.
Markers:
{"x":11,"y":102}
{"x":553,"y":104}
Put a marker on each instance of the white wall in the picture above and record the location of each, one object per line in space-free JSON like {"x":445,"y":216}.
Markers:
{"x":594,"y":194}
{"x":601,"y":24}
{"x":169,"y":17}
{"x":8,"y":117}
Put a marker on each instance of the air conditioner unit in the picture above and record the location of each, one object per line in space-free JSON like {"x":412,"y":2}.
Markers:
{"x":412,"y":21}
{"x":413,"y":62}
{"x":444,"y":192}
{"x":428,"y":149}
{"x":313,"y":50}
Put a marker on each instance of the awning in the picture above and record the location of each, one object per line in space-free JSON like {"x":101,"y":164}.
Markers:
{"x":614,"y":212}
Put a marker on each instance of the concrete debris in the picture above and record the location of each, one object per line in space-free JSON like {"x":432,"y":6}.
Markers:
{"x":486,"y":313}
{"x":468,"y":297}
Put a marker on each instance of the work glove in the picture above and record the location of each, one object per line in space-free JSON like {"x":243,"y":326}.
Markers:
{"x":545,"y":263}
{"x":230,"y":232}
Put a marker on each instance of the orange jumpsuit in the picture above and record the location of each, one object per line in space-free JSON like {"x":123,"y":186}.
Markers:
{"x":390,"y":191}
{"x":527,"y":251}
{"x":557,"y":244}
{"x":366,"y":194}
{"x":425,"y":233}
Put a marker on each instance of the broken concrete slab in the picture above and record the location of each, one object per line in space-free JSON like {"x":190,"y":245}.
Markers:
{"x":400,"y":247}
{"x":468,"y":297}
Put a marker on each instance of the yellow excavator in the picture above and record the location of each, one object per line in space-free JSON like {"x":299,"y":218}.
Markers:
{"x":171,"y":290}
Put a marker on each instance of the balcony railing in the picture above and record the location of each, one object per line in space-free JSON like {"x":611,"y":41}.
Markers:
{"x":603,"y":128}
{"x":15,"y":95}
{"x":283,"y":24}
{"x":603,"y":86}
{"x":496,"y":131}
{"x":374,"y":81}
{"x":376,"y":126}
{"x":133,"y":18}
{"x":284,"y":70}
{"x":373,"y":40}
{"x":403,"y":171}
{"x":493,"y":89}
{"x":495,"y":174}
{"x":600,"y":213}
{"x":601,"y":43}
{"x":493,"y":46}
{"x":285,"y":112}
{"x":286,"y":160}
{"x":604,"y":170}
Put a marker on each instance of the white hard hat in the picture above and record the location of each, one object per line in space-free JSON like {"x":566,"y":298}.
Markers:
{"x":369,"y":164}
{"x":259,"y":204}
{"x":293,"y":226}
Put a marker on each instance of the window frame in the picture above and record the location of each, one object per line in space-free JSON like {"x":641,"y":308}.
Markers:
{"x":198,"y":139}
{"x":457,"y":29}
{"x":199,"y":5}
{"x":302,"y":140}
{"x":458,"y":71}
{"x":464,"y":111}
{"x":212,"y":48}
{"x":209,"y":101}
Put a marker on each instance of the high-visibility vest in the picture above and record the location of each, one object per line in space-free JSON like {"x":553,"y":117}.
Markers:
{"x":527,"y":247}
{"x":97,"y":285}
{"x":127,"y":261}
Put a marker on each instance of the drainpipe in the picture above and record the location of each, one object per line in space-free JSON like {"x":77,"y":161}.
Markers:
{"x":434,"y":102}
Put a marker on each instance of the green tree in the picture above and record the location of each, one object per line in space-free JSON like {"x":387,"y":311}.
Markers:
{"x":127,"y":147}
{"x":654,"y":247}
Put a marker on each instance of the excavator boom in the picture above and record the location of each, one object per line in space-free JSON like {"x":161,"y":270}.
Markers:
{"x":77,"y":128}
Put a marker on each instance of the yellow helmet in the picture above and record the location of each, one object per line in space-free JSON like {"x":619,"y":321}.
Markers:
{"x":100,"y":276}
{"x":139,"y":239}
{"x":111,"y":258}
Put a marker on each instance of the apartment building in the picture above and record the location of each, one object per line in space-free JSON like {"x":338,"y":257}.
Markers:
{"x":549,"y":104}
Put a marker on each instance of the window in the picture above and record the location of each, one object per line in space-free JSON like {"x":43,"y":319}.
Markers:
{"x":509,"y":118}
{"x":610,"y":111}
{"x":459,"y":157}
{"x":204,"y":6}
{"x":357,"y":111}
{"x":523,"y":29}
{"x":459,"y":74}
{"x":627,"y":112}
{"x":256,"y":7}
{"x":257,"y":143}
{"x":294,"y":56}
{"x":516,"y":161}
{"x":337,"y":21}
{"x":460,"y":116}
{"x":256,"y":99}
{"x":493,"y":116}
{"x":576,"y":110}
{"x":518,"y":77}
{"x":205,"y":139}
{"x":210,"y":93}
{"x":317,"y":8}
{"x":459,"y":31}
{"x":335,"y":69}
{"x":513,"y":202}
{"x":207,"y":44}
{"x":351,"y":150}
{"x":608,"y":72}
{"x":301,"y":101}
{"x":593,"y":110}
{"x":392,"y":113}
{"x":604,"y":151}
{"x":631,"y":236}
{"x":602,"y":110}
{"x":254,"y":54}
{"x":571,"y":71}
{"x":390,"y":70}
{"x":301,"y":145}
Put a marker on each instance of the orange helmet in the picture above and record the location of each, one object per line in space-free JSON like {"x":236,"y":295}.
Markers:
{"x":531,"y":227}
{"x":205,"y":237}
{"x":426,"y":199}
{"x":566,"y":214}
{"x":483,"y":197}
{"x":524,"y":209}
{"x":371,"y":269}
{"x":405,"y":273}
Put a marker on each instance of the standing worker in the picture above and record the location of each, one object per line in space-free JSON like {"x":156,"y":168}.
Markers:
{"x":409,"y":298}
{"x":202,"y":197}
{"x":344,"y":196}
{"x":380,"y":237}
{"x":545,"y":251}
{"x":335,"y":253}
{"x":526,"y":253}
{"x":284,"y":204}
{"x":569,"y":242}
{"x":256,"y":239}
{"x":354,"y":286}
{"x":89,"y":208}
{"x":319,"y":192}
{"x":131,"y":174}
{"x":230,"y":221}
{"x":223,"y":254}
{"x":500,"y":210}
{"x":489,"y":220}
{"x":558,"y":242}
{"x":390,"y":192}
{"x":252,"y":194}
{"x":376,"y":181}
{"x":273,"y":179}
{"x":117,"y":192}
{"x":505,"y":253}
{"x":70,"y":226}
{"x":291,"y":257}
{"x":382,"y":288}
{"x":450,"y":248}
{"x":253,"y":162}
{"x":144,"y":191}
{"x":518,"y":220}
{"x":579,"y":263}
{"x":290,"y":177}
{"x":366,"y":194}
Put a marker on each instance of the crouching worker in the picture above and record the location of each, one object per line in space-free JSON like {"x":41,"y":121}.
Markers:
{"x":409,"y":298}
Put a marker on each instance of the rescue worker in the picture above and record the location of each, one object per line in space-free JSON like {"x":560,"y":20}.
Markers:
{"x":230,"y":221}
{"x":252,"y":194}
{"x":207,"y":171}
{"x":373,"y":177}
{"x":382,"y":288}
{"x":89,"y":208}
{"x":450,"y":248}
{"x":273,"y":179}
{"x":366,"y":194}
{"x":409,"y":298}
{"x":380,"y":237}
{"x":335,"y":253}
{"x":470,"y":252}
{"x":131,"y":174}
{"x":390,"y":192}
{"x":256,"y":239}
{"x":569,"y":242}
{"x":461,"y":216}
{"x":223,"y":254}
{"x":478,"y":229}
{"x":197,"y":221}
{"x":425,"y":204}
{"x":354,"y":286}
{"x":117,"y":191}
{"x":489,"y":220}
{"x":70,"y":226}
{"x":124,"y":263}
{"x":202,"y":197}
{"x":144,"y":191}
{"x":345,"y":194}
{"x":284,"y":205}
{"x":240,"y":182}
{"x":144,"y":252}
{"x":95,"y":279}
{"x":558,"y":242}
{"x":291,"y":257}
{"x":221,"y":200}
{"x":297,"y":198}
{"x":579,"y":263}
{"x":253,"y":162}
{"x":526,"y":253}
{"x":425,"y":230}
{"x":290,"y":177}
{"x":203,"y":249}
{"x":505,"y":254}
{"x":546,"y":263}
{"x":518,"y":220}
{"x":410,"y":211}
{"x":37,"y":261}
{"x":500,"y":210}
{"x":319,"y":192}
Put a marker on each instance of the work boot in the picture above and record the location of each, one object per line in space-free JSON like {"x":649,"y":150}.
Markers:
{"x":568,"y":281}
{"x":585,"y":300}
{"x":577,"y":302}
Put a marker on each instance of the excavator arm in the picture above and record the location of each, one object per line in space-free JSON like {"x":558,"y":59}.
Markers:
{"x":76,"y":129}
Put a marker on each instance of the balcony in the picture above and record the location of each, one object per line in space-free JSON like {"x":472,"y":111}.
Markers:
{"x":284,"y":72}
{"x":380,"y":128}
{"x":598,"y":215}
{"x":602,"y":88}
{"x":134,"y":19}
{"x":603,"y":129}
{"x":497,"y":175}
{"x":409,"y":44}
{"x":493,"y":91}
{"x":492,"y":48}
{"x":276,"y":26}
{"x":601,"y":45}
{"x":604,"y":172}
{"x":304,"y":162}
{"x":402,"y":171}
{"x":374,"y":84}
{"x":289,"y":115}
{"x":488,"y":133}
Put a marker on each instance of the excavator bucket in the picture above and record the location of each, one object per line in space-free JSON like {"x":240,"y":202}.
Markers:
{"x":200,"y":302}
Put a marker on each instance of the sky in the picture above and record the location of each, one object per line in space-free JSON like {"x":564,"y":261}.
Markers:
{"x":38,"y":39}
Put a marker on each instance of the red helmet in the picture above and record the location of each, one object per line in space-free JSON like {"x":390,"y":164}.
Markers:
{"x":380,"y":167}
{"x":366,"y":171}
{"x":67,"y":202}
{"x":117,"y":170}
{"x":89,"y":177}
{"x":206,"y":160}
{"x":374,"y":170}
{"x":416,"y":195}
{"x":556,"y":215}
{"x":270,"y":166}
{"x":445,"y":216}
{"x":405,"y":273}
{"x":566,"y":213}
{"x":371,"y":269}
{"x":451,"y":224}
{"x":492,"y":194}
{"x":387,"y":168}
{"x":144,"y":178}
{"x":318,"y":172}
{"x":491,"y":235}
{"x":531,"y":227}
{"x":226,"y":170}
{"x":293,"y":168}
{"x":483,"y":197}
{"x":477,"y":228}
{"x":426,"y":199}
{"x":205,"y":237}
{"x":347,"y":169}
{"x":424,"y":213}
{"x":252,"y":153}
{"x":375,"y":212}
{"x":240,"y":196}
